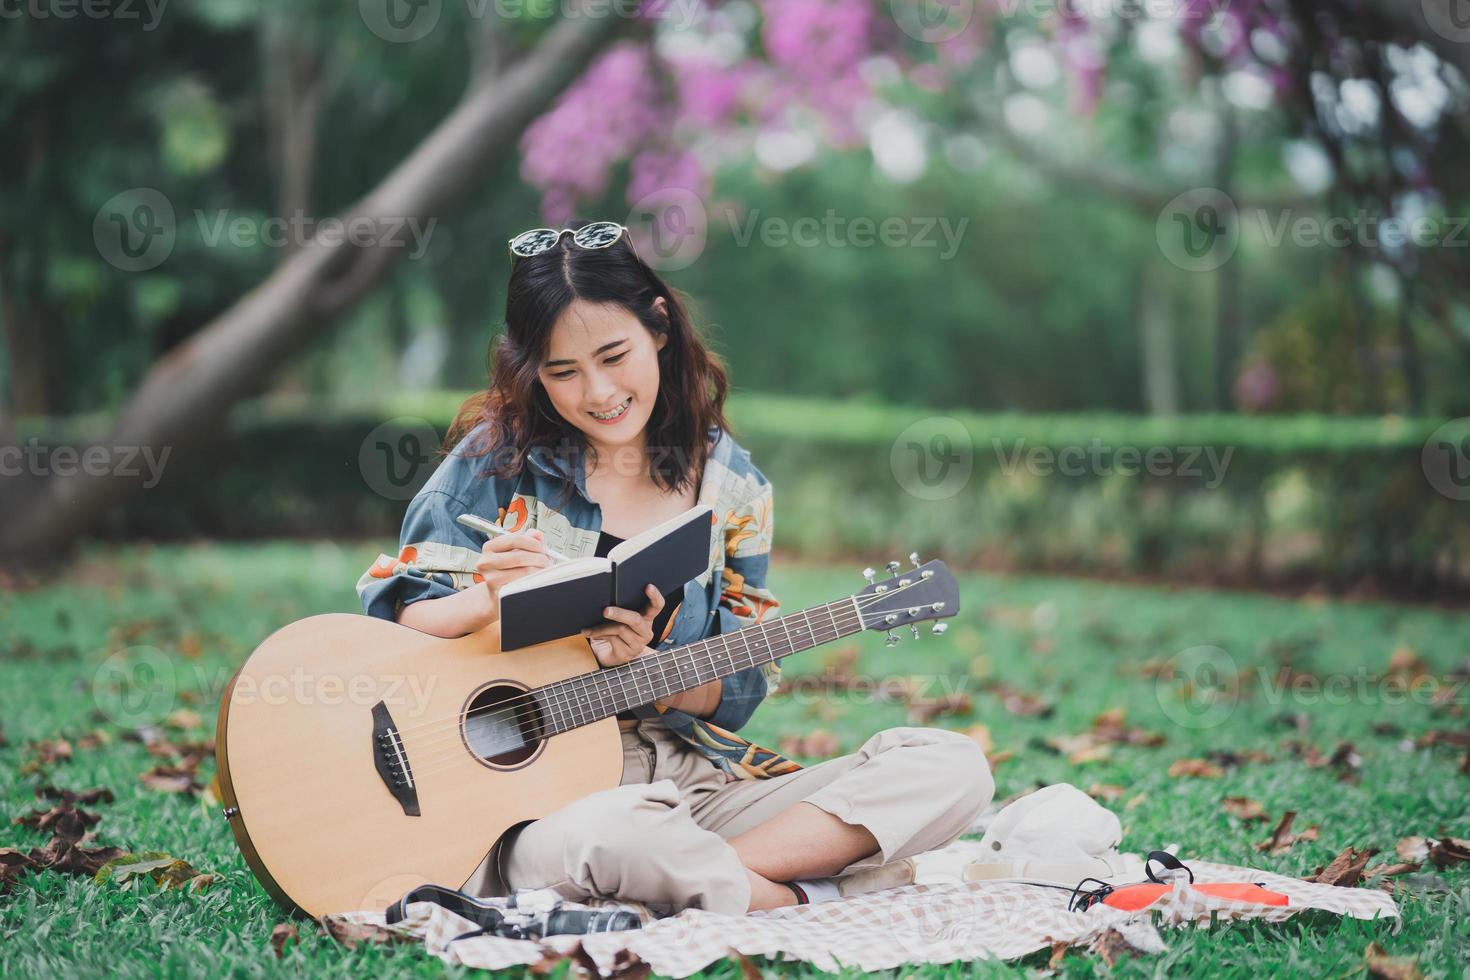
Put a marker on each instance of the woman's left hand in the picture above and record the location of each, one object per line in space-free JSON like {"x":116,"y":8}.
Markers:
{"x":628,"y":637}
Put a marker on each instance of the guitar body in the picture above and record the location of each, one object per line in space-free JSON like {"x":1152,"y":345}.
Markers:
{"x":359,"y":758}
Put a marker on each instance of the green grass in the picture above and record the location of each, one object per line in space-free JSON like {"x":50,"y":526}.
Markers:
{"x":1080,"y":645}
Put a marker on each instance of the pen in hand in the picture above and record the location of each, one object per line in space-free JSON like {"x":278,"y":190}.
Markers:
{"x":492,"y":529}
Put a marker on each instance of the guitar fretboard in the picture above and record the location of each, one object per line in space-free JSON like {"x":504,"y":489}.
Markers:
{"x":590,"y":697}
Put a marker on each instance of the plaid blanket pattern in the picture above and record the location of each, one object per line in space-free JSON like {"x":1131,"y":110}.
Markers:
{"x":914,"y":924}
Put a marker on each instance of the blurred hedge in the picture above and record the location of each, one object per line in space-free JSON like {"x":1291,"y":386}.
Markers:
{"x":1341,"y":501}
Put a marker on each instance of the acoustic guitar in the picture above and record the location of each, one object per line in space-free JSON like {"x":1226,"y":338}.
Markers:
{"x":359,"y":758}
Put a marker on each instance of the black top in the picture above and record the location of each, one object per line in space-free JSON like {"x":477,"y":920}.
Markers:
{"x":607,"y":542}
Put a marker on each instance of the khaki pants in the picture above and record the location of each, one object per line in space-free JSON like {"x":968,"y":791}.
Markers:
{"x":660,"y":837}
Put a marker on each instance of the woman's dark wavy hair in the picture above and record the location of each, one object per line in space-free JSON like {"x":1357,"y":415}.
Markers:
{"x":515,"y":409}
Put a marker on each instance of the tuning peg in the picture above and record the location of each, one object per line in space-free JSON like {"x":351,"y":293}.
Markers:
{"x":891,"y":641}
{"x":914,"y":558}
{"x":869,"y":574}
{"x":938,"y":629}
{"x":915,"y":628}
{"x":892,"y":567}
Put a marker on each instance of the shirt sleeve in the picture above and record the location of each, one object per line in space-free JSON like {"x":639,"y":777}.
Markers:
{"x":436,"y":554}
{"x":746,"y":600}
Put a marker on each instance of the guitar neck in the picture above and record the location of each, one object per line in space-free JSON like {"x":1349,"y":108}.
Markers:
{"x":590,"y":697}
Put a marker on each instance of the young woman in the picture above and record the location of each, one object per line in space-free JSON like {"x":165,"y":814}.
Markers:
{"x":604,"y":417}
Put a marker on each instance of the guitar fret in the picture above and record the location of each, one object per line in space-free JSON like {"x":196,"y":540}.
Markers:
{"x":552,"y":716}
{"x":836,"y":630}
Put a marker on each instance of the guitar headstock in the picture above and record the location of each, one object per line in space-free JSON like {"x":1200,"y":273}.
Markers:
{"x":928,"y":591}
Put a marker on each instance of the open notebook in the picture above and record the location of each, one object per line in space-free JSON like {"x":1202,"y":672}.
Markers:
{"x":570,"y":596}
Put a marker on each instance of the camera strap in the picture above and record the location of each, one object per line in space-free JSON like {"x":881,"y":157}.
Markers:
{"x":483,"y":914}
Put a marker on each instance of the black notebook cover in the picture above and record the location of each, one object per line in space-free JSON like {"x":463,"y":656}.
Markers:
{"x":561,"y":609}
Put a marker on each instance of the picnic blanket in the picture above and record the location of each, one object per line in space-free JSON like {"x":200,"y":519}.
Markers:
{"x":914,"y":924}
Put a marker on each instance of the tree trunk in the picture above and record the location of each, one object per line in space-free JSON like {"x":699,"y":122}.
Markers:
{"x":26,"y":362}
{"x":294,"y":86}
{"x":1228,"y":339}
{"x":1409,"y":346}
{"x":186,"y":395}
{"x":1156,"y":340}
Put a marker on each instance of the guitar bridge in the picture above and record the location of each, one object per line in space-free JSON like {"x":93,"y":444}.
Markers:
{"x":391,"y":760}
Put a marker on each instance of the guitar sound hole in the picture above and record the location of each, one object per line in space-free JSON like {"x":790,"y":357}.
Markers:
{"x":502,"y":726}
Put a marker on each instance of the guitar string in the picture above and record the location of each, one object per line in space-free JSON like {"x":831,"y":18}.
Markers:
{"x":558,"y":712}
{"x":848,"y":609}
{"x":443,"y":757}
{"x":566,"y":705}
{"x":436,"y":750}
{"x":570,"y":709}
{"x":528,"y":698}
{"x":559,"y":709}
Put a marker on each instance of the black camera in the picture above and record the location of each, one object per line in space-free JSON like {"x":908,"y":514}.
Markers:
{"x":507,"y":919}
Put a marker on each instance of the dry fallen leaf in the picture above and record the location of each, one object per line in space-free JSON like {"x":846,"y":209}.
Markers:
{"x":1443,"y":851}
{"x":1405,"y":664}
{"x":1112,"y":947}
{"x":1112,"y":726}
{"x":95,"y":739}
{"x":1282,"y":838}
{"x":171,"y":779}
{"x":283,"y":933}
{"x":748,"y":968}
{"x":1195,"y":767}
{"x":1344,"y":759}
{"x":184,"y":718}
{"x":922,"y":711}
{"x":1230,"y":759}
{"x":1079,"y":749}
{"x":1389,"y":870}
{"x":980,"y":735}
{"x":350,"y":933}
{"x":1022,"y":704}
{"x":819,"y":744}
{"x":46,"y":752}
{"x":71,"y":857}
{"x":64,"y":820}
{"x":1105,"y":792}
{"x":1058,"y":953}
{"x":87,"y":797}
{"x":1380,"y":964}
{"x":1345,"y":870}
{"x":1245,"y":809}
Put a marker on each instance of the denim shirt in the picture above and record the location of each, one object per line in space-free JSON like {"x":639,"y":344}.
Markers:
{"x":437,"y":557}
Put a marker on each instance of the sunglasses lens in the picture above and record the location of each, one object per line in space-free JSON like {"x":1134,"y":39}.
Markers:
{"x":533,"y":242}
{"x":599,"y":234}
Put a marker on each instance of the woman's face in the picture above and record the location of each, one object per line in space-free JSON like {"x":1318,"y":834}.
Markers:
{"x":601,"y":371}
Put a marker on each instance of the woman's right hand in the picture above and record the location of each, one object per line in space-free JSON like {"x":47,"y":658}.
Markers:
{"x":507,"y":557}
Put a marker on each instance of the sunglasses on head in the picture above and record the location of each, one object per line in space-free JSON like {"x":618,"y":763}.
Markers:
{"x":598,"y":234}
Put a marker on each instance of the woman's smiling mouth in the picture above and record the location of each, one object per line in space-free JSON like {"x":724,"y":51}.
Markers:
{"x":615,"y":414}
